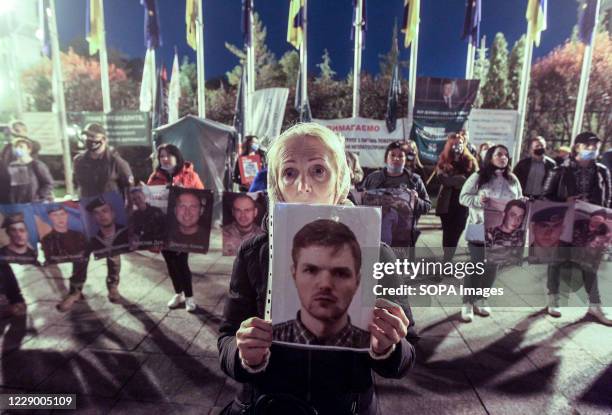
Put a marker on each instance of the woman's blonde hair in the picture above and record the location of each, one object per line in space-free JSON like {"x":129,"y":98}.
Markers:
{"x":330,"y":140}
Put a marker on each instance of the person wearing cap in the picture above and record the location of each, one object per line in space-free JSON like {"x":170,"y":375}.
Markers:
{"x":18,"y":249}
{"x":579,"y":178}
{"x":30,"y":179}
{"x":112,"y":237}
{"x":62,"y":243}
{"x":533,"y":170}
{"x":547,"y":227}
{"x":97,"y":170}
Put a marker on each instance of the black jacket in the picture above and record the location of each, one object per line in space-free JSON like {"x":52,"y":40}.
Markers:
{"x":331,"y":381}
{"x":521,"y":170}
{"x":109,"y":174}
{"x":39,"y":186}
{"x":561,"y":184}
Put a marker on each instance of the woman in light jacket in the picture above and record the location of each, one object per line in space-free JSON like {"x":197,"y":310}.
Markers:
{"x":494,"y":180}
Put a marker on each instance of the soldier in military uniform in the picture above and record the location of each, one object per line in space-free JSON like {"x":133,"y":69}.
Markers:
{"x":243,"y":227}
{"x":112,"y":238}
{"x":18,"y":249}
{"x":63,"y":244}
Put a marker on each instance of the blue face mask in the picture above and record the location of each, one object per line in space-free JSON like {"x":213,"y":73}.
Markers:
{"x":19,"y":152}
{"x":394,"y":169}
{"x":588,"y":154}
{"x":254,"y":147}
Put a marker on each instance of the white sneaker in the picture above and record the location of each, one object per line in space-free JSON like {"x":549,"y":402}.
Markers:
{"x":467,"y":313}
{"x":190,"y":305}
{"x":553,"y":309}
{"x":596,"y":311}
{"x":176,"y":300}
{"x":482,"y":308}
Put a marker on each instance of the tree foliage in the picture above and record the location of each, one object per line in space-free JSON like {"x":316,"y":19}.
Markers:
{"x":515,"y":69}
{"x":495,"y":91}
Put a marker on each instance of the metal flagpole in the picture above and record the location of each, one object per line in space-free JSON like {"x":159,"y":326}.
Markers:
{"x":304,"y":57}
{"x":251,"y":77}
{"x":585,"y":73}
{"x":357,"y":56}
{"x":106,"y":98}
{"x":469,"y":64}
{"x":412,"y":77}
{"x":523,"y":91}
{"x":200,"y":63}
{"x":58,"y":98}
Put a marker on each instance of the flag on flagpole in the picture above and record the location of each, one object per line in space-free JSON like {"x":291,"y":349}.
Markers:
{"x":395,"y":89}
{"x":240,"y":109}
{"x":152,"y":33}
{"x":536,"y":15}
{"x":160,"y":113}
{"x":587,"y":21}
{"x":363,"y":24}
{"x":43,"y":31}
{"x":174,"y":91}
{"x":247,"y":6}
{"x":191,"y":16}
{"x":301,"y":104}
{"x":471,"y":24}
{"x":148,"y":84}
{"x":411,"y":19}
{"x":295,"y":25}
{"x":94,"y":25}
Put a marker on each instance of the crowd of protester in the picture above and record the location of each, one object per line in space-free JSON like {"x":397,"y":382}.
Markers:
{"x":309,"y":164}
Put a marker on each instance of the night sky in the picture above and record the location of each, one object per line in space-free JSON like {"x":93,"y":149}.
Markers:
{"x":441,"y":51}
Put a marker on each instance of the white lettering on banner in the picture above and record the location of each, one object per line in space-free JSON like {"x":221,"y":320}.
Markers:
{"x":497,"y":126}
{"x":366,"y":137}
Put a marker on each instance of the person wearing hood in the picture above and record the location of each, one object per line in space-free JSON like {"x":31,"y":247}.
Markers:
{"x":97,"y":170}
{"x":173,"y":170}
{"x":493,"y":181}
{"x":533,"y":170}
{"x":307,"y":165}
{"x":396,"y":175}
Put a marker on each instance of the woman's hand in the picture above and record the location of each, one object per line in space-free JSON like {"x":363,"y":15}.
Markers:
{"x":388,"y":327}
{"x":254,"y":338}
{"x":484,"y":199}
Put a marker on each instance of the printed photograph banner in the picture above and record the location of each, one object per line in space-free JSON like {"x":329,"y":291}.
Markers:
{"x":505,"y":230}
{"x":106,"y":222}
{"x":397,"y":214}
{"x":18,"y":235}
{"x":62,"y":231}
{"x":365,"y":137}
{"x":243,"y":214}
{"x":441,"y":107}
{"x":147,"y":221}
{"x":551,"y":226}
{"x":189,"y":219}
{"x":320,"y":241}
{"x":592,"y":236}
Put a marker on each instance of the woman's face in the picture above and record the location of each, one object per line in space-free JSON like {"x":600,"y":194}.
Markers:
{"x":500,"y":158}
{"x":166,"y":159}
{"x":396,"y":158}
{"x":306,"y":172}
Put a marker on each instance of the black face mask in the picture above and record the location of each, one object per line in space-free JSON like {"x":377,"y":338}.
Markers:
{"x":539,"y":151}
{"x":93,"y":145}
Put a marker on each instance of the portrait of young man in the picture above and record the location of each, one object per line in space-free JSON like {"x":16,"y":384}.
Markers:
{"x":18,"y":249}
{"x":146,"y":222}
{"x":112,"y":238}
{"x":189,"y":214}
{"x":62,"y":244}
{"x":243,"y":225}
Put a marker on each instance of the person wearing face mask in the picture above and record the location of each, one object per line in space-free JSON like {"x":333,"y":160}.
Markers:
{"x":580,"y":178}
{"x":482,"y":152}
{"x":396,"y":175}
{"x":97,"y":170}
{"x":494,"y":180}
{"x":307,"y":165}
{"x":250,"y":147}
{"x":30,"y":179}
{"x":533,"y":170}
{"x":413,"y":162}
{"x":173,"y":170}
{"x":454,"y":166}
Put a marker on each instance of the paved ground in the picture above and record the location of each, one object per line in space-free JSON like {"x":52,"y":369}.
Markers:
{"x":139,"y":357}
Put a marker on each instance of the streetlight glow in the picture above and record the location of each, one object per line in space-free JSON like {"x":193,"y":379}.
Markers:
{"x":7,"y":6}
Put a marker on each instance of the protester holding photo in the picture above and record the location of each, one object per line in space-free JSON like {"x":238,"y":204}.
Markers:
{"x":173,"y":170}
{"x":97,"y":170}
{"x":494,"y":180}
{"x":455,"y":165}
{"x":397,"y":175}
{"x":579,"y":178}
{"x":250,"y":147}
{"x":307,"y":165}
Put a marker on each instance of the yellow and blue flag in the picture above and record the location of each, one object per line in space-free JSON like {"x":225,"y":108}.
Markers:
{"x":295,"y":25}
{"x":536,"y":15}
{"x":471,"y":23}
{"x":191,"y":16}
{"x":411,"y":20}
{"x":94,"y":23}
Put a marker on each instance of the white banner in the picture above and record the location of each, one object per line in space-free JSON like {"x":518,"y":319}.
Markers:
{"x":366,"y":137}
{"x":44,"y":128}
{"x":268,"y":113}
{"x":496,"y":126}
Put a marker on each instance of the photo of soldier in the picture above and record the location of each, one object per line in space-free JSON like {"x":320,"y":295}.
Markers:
{"x":550,"y":231}
{"x":18,"y":245}
{"x":242,"y":219}
{"x":592,"y":234}
{"x":106,"y":220}
{"x":189,"y":219}
{"x":147,"y":222}
{"x":61,"y":232}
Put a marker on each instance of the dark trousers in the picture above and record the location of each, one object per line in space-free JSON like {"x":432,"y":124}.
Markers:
{"x":452,"y":227}
{"x":9,"y":285}
{"x":589,"y":277}
{"x":486,"y":280}
{"x":178,"y":269}
{"x":79,"y":273}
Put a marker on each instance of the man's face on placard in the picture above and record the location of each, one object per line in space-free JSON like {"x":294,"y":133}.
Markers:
{"x":59,"y":220}
{"x":244,"y":211}
{"x":18,"y":234}
{"x":326,"y":281}
{"x":139,"y":199}
{"x":514,"y":218}
{"x":188,"y":210}
{"x":104,"y":215}
{"x":548,"y":233}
